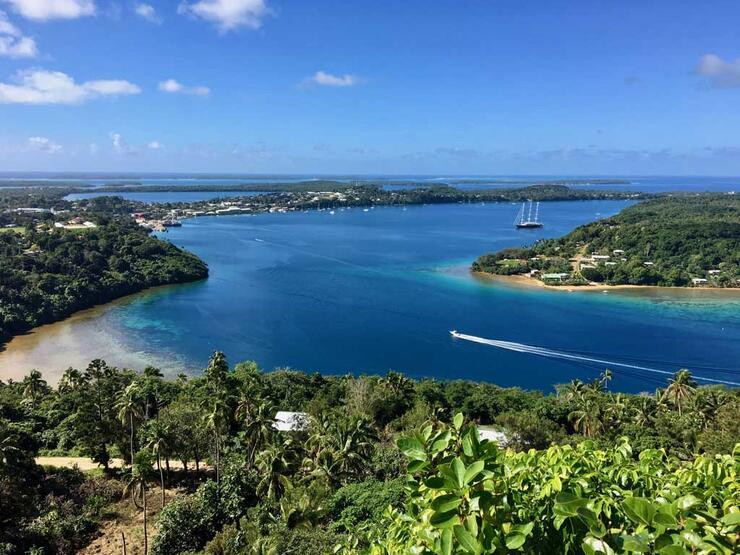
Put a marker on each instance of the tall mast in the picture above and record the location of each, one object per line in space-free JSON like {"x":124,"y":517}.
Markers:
{"x":529,"y":217}
{"x":537,"y":211}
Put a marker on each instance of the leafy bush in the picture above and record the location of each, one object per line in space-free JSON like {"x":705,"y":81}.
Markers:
{"x":363,"y":502}
{"x":470,"y":497}
{"x":188,"y":523}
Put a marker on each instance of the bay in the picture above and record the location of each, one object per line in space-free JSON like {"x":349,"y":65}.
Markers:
{"x":368,"y":291}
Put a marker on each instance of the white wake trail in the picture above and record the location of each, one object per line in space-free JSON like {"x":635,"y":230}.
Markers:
{"x":550,"y":353}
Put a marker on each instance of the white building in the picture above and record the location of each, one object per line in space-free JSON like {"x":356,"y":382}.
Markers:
{"x":492,"y":435}
{"x":286,"y":421}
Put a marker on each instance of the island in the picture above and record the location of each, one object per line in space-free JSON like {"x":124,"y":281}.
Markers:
{"x":690,"y":240}
{"x":56,"y":260}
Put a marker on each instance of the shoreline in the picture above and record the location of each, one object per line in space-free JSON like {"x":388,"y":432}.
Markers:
{"x":525,"y":281}
{"x":58,"y":350}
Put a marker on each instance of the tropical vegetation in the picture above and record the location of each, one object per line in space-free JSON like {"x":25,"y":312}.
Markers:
{"x":380,"y":464}
{"x":674,"y":240}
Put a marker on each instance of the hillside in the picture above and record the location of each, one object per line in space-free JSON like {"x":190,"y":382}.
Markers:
{"x":579,"y":466}
{"x":682,"y":240}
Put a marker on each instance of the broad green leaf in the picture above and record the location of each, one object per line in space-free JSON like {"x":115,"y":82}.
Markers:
{"x":635,"y":543}
{"x":639,"y":509}
{"x":472,"y":471}
{"x":515,"y":540}
{"x":444,"y":519}
{"x":593,"y":546}
{"x":458,"y":420}
{"x":445,"y":503}
{"x":691,"y":538}
{"x":673,"y":550}
{"x":412,"y":448}
{"x":525,"y":529}
{"x":557,"y":485}
{"x":415,"y":466}
{"x":440,"y":445}
{"x":458,"y":468}
{"x":731,"y":519}
{"x":446,"y":542}
{"x":467,"y":541}
{"x":665,"y":518}
{"x":567,"y":503}
{"x":471,"y":525}
{"x":435,"y":482}
{"x":686,"y":502}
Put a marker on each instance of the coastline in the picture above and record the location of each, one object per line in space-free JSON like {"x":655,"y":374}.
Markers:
{"x":525,"y":281}
{"x":53,"y":347}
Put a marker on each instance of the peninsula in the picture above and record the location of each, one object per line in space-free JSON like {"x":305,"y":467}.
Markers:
{"x":675,"y":240}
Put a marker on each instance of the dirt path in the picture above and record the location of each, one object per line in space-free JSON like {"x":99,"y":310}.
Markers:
{"x":84,"y":463}
{"x":126,"y":519}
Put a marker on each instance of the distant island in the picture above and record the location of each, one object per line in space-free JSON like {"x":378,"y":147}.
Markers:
{"x":674,"y":240}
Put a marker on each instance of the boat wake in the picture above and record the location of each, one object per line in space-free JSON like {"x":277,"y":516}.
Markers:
{"x":564,"y":355}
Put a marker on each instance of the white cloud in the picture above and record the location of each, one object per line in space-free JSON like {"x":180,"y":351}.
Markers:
{"x":120,"y":146}
{"x":147,"y":11}
{"x":155,"y":145}
{"x":52,"y":9}
{"x":173,"y":86}
{"x":12,"y":42}
{"x":721,"y":73}
{"x":328,"y":80}
{"x":38,"y":86}
{"x":228,"y":15}
{"x":44,"y":144}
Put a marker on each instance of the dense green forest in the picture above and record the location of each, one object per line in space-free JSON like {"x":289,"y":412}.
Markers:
{"x":47,"y":273}
{"x":676,"y":240}
{"x":383,"y":464}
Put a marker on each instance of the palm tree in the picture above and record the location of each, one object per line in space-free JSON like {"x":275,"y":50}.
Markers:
{"x":33,"y":385}
{"x":140,"y":469}
{"x":605,"y":378}
{"x":586,"y":418}
{"x":645,"y":412}
{"x":680,"y":389}
{"x":571,"y":391}
{"x":8,"y":448}
{"x":273,"y":464}
{"x":709,"y":403}
{"x":340,"y":449}
{"x":258,"y":428}
{"x":70,"y":381}
{"x":158,"y":444}
{"x":129,"y":408}
{"x":216,"y":421}
{"x":616,"y":410}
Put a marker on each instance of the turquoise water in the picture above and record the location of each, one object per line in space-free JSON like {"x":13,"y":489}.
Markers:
{"x":371,"y":291}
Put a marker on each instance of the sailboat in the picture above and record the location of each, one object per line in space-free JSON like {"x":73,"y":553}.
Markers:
{"x":529,"y":223}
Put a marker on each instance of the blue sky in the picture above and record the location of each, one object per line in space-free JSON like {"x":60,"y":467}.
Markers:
{"x":412,"y":87}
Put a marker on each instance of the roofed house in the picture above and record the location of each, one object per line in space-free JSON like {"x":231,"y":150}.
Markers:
{"x":286,"y":421}
{"x":555,"y":277}
{"x":698,"y":281}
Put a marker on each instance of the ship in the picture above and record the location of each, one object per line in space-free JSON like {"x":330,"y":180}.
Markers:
{"x":529,"y":223}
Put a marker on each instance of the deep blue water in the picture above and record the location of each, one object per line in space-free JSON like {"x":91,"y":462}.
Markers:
{"x":372,"y":291}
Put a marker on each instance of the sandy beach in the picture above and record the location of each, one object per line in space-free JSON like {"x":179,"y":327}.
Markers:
{"x":526,"y":281}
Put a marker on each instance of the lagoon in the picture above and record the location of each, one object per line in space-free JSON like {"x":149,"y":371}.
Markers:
{"x":371,"y":291}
